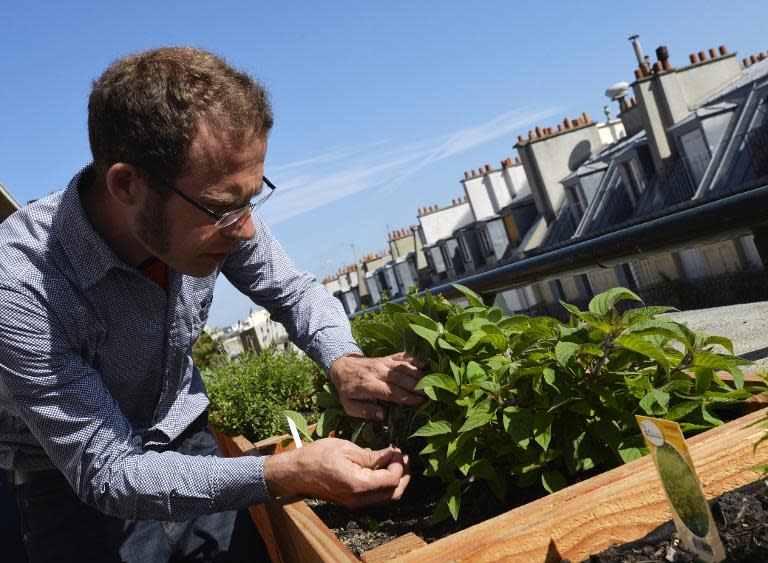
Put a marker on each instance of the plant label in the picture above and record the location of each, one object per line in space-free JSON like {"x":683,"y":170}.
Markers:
{"x":690,"y":511}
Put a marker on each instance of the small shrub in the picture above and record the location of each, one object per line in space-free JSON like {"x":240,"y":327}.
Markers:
{"x":535,"y":401}
{"x":248,"y":395}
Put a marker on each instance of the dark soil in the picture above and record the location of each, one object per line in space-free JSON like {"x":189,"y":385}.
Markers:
{"x":373,"y":526}
{"x":742,"y":520}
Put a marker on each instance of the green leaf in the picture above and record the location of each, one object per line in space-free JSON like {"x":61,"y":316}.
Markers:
{"x":603,"y":302}
{"x":709,"y":417}
{"x":326,"y":400}
{"x":549,"y":376}
{"x":634,"y":315}
{"x":482,"y":468}
{"x":440,"y":380}
{"x":564,"y":351}
{"x":710,"y":360}
{"x":631,"y":454}
{"x":642,"y":346}
{"x":719,"y":340}
{"x":474,"y":372}
{"x":474,"y":299}
{"x":427,"y":334}
{"x":491,"y":387}
{"x":553,"y":481}
{"x":433,"y":428}
{"x":519,"y":425}
{"x":476,"y":420}
{"x":678,"y":411}
{"x":453,"y":498}
{"x":542,"y":429}
{"x":445,"y":345}
{"x":300,"y":422}
{"x":703,"y":379}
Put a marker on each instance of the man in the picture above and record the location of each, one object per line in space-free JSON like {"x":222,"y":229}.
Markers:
{"x":105,"y":285}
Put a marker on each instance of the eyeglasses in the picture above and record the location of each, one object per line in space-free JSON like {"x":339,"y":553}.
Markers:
{"x":231,"y":217}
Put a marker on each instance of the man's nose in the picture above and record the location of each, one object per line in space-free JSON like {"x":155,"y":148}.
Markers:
{"x":242,"y":229}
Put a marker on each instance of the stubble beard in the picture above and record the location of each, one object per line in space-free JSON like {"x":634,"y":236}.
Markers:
{"x":153,"y":228}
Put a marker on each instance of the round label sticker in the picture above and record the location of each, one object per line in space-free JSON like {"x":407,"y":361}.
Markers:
{"x":652,"y":433}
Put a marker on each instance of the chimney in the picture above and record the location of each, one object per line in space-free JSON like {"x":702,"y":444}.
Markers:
{"x":487,"y":167}
{"x":567,"y":123}
{"x":520,"y":139}
{"x":466,"y":174}
{"x":585,"y":115}
{"x":539,"y":132}
{"x":642,"y":63}
{"x":638,"y":74}
{"x":745,"y":61}
{"x":702,"y":56}
{"x":753,"y":59}
{"x":657,"y":67}
{"x":473,"y":173}
{"x":694,"y":58}
{"x":559,"y":127}
{"x":712,"y":54}
{"x":723,"y":50}
{"x":531,"y":135}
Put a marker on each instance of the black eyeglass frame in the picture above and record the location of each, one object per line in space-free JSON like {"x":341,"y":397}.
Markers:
{"x":238,"y":213}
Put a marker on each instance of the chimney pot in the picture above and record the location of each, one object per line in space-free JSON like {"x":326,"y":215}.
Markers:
{"x":667,"y":65}
{"x":753,"y":59}
{"x":586,"y":117}
{"x":487,"y":167}
{"x":559,"y":127}
{"x":504,"y":163}
{"x":473,"y":173}
{"x":657,"y":67}
{"x":531,"y":135}
{"x":638,"y":74}
{"x":763,"y":55}
{"x":520,"y":139}
{"x":539,"y":132}
{"x":702,"y":56}
{"x":712,"y":53}
{"x":723,"y":50}
{"x":567,"y":122}
{"x":466,"y":174}
{"x":745,"y":61}
{"x":549,"y":130}
{"x":694,"y":58}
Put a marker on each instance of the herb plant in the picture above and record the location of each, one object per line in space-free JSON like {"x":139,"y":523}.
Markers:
{"x":248,"y":395}
{"x":532,"y":400}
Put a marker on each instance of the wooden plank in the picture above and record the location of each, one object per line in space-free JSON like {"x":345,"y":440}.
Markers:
{"x":614,"y":507}
{"x":393,"y":549}
{"x":303,"y":537}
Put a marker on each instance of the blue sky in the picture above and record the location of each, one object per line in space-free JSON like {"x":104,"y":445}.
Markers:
{"x":379,"y":107}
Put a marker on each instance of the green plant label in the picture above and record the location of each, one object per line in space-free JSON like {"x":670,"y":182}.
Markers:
{"x":691,"y":513}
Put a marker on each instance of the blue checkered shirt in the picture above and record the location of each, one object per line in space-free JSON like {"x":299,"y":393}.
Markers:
{"x":96,"y":365}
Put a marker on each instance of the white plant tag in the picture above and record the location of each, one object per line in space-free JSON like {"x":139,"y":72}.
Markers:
{"x":294,"y":432}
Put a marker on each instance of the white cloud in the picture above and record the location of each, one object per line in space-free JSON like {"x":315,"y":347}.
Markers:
{"x":313,"y":182}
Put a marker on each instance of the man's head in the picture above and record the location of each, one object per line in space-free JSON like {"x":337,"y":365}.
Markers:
{"x":179,"y":117}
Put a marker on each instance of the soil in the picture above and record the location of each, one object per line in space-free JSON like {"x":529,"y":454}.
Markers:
{"x":374,"y":526}
{"x":742,"y":520}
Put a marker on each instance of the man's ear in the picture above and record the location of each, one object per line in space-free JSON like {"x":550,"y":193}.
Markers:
{"x":126,"y":183}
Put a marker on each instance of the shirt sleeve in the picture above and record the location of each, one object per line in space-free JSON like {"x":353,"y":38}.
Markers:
{"x":314,"y":319}
{"x":70,"y":412}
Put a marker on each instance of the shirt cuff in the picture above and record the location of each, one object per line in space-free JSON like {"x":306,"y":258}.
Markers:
{"x":240,"y":482}
{"x":326,"y":355}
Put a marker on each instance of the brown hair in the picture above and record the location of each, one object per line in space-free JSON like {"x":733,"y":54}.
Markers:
{"x":146,"y":108}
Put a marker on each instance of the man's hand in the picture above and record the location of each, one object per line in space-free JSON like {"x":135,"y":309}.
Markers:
{"x":340,"y":472}
{"x":360,"y":381}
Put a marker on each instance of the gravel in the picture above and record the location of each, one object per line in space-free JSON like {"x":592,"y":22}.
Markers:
{"x":746,"y":325}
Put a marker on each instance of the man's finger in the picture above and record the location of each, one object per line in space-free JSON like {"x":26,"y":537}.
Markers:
{"x":403,"y":381}
{"x":404,"y":367}
{"x":393,"y":393}
{"x":406,"y":357}
{"x":363,"y":409}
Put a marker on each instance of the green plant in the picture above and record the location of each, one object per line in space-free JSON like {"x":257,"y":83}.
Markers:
{"x":534,"y":400}
{"x":248,"y":395}
{"x":206,"y":352}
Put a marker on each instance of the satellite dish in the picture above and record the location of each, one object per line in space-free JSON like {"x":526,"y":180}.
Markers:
{"x":617,"y":91}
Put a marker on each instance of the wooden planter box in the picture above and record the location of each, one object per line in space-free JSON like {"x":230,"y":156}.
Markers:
{"x":615,"y":507}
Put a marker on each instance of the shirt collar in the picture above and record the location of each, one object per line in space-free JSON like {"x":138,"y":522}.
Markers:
{"x":88,"y":252}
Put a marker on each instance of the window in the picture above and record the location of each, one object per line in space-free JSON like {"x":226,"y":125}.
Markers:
{"x":464,"y":247}
{"x":628,"y":171}
{"x":576,"y":202}
{"x":446,"y":255}
{"x":485,"y":241}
